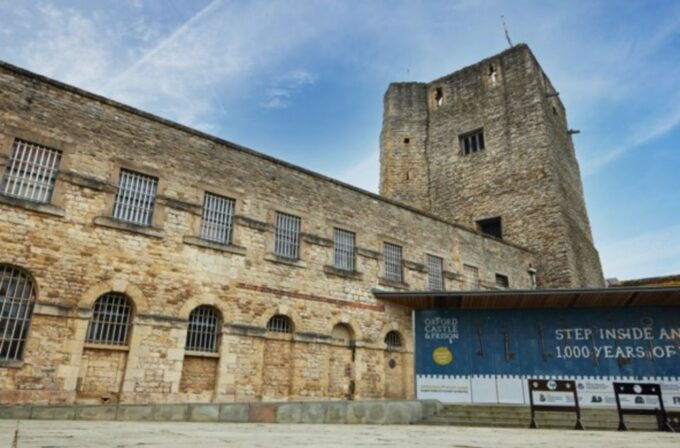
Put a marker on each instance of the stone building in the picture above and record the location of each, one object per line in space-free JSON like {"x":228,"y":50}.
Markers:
{"x":144,"y":261}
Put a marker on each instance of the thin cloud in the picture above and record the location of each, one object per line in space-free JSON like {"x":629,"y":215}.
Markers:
{"x":279,"y":94}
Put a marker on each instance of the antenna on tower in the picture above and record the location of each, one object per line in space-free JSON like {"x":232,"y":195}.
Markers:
{"x":505,"y":28}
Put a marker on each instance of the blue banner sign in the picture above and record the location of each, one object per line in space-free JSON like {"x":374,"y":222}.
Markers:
{"x":487,"y":355}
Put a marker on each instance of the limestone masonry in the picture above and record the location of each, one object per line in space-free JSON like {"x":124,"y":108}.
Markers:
{"x":145,"y":262}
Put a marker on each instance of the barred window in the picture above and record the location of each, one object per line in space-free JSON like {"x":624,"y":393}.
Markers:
{"x":435,"y":273}
{"x":111,"y":317}
{"x":280,"y":324}
{"x":471,"y":277}
{"x":218,"y":218}
{"x":31,"y":171}
{"x":393,"y":270}
{"x":17,"y":297}
{"x":135,"y":198}
{"x":393,"y":339}
{"x":472,"y":142}
{"x":343,"y":249}
{"x":502,"y":281}
{"x":287,"y":236}
{"x":204,"y":330}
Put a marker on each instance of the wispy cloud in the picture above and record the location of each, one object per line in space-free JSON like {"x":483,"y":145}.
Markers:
{"x":279,"y":94}
{"x":364,"y":174}
{"x":646,"y":255}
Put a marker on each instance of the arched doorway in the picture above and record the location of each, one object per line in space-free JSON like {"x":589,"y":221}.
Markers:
{"x":341,"y":363}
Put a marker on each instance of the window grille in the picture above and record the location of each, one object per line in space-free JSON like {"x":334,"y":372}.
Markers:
{"x":280,"y":324}
{"x":491,"y":226}
{"x":135,"y":198}
{"x":17,"y":297}
{"x":393,"y":270}
{"x":343,"y":248}
{"x":502,"y":281}
{"x":472,"y":142}
{"x":204,"y":330}
{"x":287,"y":236}
{"x":471,"y":276}
{"x":31,"y":172}
{"x":435,"y":273}
{"x":393,"y":339}
{"x":110,"y":323}
{"x":218,"y":218}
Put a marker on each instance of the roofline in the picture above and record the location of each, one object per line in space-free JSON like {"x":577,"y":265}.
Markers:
{"x":149,"y":116}
{"x":536,"y":292}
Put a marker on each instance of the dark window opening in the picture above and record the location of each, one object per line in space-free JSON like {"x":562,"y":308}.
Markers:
{"x":492,"y":75}
{"x":554,"y":110}
{"x":439,"y":96}
{"x":491,"y":226}
{"x":472,"y":142}
{"x":407,"y":140}
{"x":502,"y":281}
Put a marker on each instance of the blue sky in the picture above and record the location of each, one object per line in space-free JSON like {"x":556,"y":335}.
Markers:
{"x":303,"y":81}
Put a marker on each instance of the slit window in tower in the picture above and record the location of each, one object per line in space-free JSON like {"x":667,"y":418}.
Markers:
{"x":439,"y":96}
{"x":472,"y":142}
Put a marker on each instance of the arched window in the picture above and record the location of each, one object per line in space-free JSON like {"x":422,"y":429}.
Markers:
{"x":280,"y":324}
{"x":17,"y":297}
{"x":342,"y":333}
{"x":111,"y":317}
{"x":204,"y":330}
{"x":393,"y":339}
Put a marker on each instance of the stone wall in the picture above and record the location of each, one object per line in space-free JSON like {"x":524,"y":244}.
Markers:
{"x":76,"y":252}
{"x":527,"y":174}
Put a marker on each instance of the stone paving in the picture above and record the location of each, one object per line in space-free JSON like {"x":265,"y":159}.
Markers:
{"x":33,"y":433}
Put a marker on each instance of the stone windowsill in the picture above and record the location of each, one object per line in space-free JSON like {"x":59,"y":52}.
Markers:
{"x":287,"y":261}
{"x":368,"y":253}
{"x":229,"y":248}
{"x":392,"y":284}
{"x":47,"y":209}
{"x":112,"y":223}
{"x":412,"y":265}
{"x":449,"y":275}
{"x":12,"y":364}
{"x":118,"y":348}
{"x":195,"y":354}
{"x":352,"y":275}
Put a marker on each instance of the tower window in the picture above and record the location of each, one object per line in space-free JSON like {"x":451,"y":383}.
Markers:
{"x":392,"y":257}
{"x":491,"y":226}
{"x":472,"y":142}
{"x":502,"y":281}
{"x":439,"y":96}
{"x":407,"y":140}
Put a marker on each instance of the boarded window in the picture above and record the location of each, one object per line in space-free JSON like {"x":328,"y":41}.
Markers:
{"x":471,"y":277}
{"x":31,"y":172}
{"x":435,"y":273}
{"x":17,"y":297}
{"x":393,"y":269}
{"x":135,"y":198}
{"x":342,"y":333}
{"x":204,"y":329}
{"x":393,"y":339}
{"x":287,"y":236}
{"x":218,"y":218}
{"x":110,"y":323}
{"x":502,"y":281}
{"x":472,"y":142}
{"x":343,"y":249}
{"x":491,"y":226}
{"x":280,"y":324}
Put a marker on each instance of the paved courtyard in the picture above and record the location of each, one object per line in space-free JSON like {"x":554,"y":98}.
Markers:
{"x":50,"y":433}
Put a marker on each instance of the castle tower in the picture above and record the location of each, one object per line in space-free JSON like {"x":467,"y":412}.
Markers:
{"x":488,"y":146}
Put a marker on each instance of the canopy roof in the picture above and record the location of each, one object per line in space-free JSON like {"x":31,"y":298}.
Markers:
{"x":536,"y":298}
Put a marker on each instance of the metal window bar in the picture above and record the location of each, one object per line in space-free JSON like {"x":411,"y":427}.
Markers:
{"x":344,"y":248}
{"x":135,"y":198}
{"x":17,"y":297}
{"x":435,"y":273}
{"x":393,"y":339}
{"x":471,"y":275}
{"x":287,"y":236}
{"x":280,"y":324}
{"x":204,"y":330}
{"x":472,"y":142}
{"x":218,"y":218}
{"x":31,"y":172}
{"x":110,"y":323}
{"x":393,"y":269}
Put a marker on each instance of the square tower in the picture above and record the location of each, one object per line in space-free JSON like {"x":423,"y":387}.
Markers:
{"x":488,"y":146}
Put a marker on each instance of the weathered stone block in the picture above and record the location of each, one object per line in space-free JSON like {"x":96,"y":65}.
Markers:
{"x":234,"y":412}
{"x":336,"y":412}
{"x":204,"y":412}
{"x":289,"y":413}
{"x":53,"y":412}
{"x":15,"y":412}
{"x":262,"y":413}
{"x":96,"y":412}
{"x":397,"y":413}
{"x":313,"y":412}
{"x":134,"y":412}
{"x":169,"y":412}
